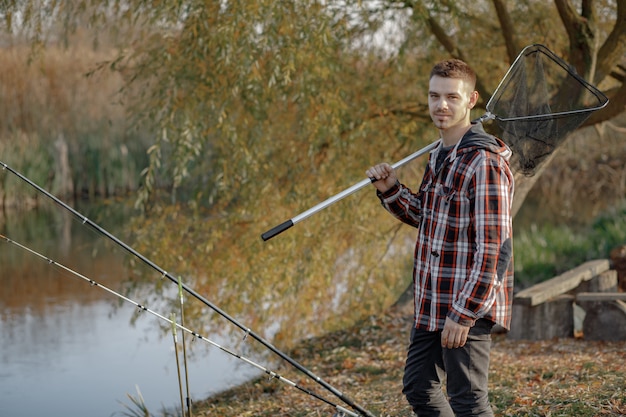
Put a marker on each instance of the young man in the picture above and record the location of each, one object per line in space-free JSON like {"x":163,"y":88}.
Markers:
{"x":463,"y":269}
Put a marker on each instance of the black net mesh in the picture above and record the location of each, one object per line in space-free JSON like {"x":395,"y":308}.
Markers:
{"x":538,"y":103}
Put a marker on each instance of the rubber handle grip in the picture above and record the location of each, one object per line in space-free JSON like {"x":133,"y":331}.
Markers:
{"x":277,"y":230}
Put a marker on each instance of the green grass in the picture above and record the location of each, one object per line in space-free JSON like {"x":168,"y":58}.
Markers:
{"x":542,"y":252}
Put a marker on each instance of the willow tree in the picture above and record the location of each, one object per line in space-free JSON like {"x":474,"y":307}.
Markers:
{"x":264,"y":108}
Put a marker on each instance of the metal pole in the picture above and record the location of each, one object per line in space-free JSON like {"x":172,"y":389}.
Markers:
{"x":289,"y":223}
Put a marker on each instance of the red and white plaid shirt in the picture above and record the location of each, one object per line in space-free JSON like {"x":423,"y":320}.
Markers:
{"x":463,"y":265}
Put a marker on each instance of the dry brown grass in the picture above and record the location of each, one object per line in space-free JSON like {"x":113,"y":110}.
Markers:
{"x":588,"y":173}
{"x":50,"y":91}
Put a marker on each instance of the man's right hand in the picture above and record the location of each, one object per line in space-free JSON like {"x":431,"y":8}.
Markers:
{"x":383,"y":176}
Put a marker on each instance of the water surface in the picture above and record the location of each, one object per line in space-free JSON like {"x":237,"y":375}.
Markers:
{"x":71,"y":349}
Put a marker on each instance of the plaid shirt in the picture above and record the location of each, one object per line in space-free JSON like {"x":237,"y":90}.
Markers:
{"x":463,"y":265}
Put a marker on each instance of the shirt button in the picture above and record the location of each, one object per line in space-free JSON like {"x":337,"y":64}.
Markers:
{"x":435,"y":254}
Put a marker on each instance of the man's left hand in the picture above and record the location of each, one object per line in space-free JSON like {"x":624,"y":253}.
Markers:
{"x":454,"y":335}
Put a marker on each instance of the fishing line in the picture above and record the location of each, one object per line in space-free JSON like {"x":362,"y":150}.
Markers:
{"x":272,"y":375}
{"x":85,"y":221}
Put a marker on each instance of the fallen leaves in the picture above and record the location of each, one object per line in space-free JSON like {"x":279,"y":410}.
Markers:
{"x":562,"y":377}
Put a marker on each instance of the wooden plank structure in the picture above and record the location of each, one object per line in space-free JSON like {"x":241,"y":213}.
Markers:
{"x":561,"y":284}
{"x":583,"y":301}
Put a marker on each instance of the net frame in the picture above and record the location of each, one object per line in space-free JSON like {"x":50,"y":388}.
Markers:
{"x":508,"y":79}
{"x":538,"y":103}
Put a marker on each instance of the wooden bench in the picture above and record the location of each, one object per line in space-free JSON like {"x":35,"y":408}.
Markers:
{"x":583,"y":301}
{"x":561,"y":284}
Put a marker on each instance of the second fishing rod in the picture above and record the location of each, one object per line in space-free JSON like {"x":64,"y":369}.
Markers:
{"x":249,"y":332}
{"x":341,"y":411}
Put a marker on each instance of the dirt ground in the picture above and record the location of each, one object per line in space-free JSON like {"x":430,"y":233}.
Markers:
{"x":562,"y":377}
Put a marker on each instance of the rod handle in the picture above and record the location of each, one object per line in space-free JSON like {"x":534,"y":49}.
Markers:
{"x":277,"y":230}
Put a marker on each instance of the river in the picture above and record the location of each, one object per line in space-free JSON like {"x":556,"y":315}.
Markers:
{"x":71,"y":349}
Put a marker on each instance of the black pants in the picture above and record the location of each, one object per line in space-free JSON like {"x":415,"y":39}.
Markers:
{"x":465,"y":369}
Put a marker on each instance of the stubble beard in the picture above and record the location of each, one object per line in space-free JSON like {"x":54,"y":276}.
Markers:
{"x":447,"y":121}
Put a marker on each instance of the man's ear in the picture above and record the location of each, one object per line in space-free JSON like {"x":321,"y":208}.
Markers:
{"x":473,"y":99}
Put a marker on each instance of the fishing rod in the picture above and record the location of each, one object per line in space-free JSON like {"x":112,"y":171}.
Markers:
{"x":341,"y":411}
{"x":181,"y":300}
{"x":84,"y":220}
{"x":180,"y":382}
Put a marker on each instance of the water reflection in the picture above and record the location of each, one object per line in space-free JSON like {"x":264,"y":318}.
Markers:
{"x":68,"y":349}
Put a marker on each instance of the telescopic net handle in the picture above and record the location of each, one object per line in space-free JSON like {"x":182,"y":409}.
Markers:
{"x":289,"y":223}
{"x":277,"y":230}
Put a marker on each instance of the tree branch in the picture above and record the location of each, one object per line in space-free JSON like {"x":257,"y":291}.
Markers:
{"x":580,"y":35}
{"x":418,"y":111}
{"x":616,"y":106}
{"x":614,"y":46}
{"x":507,"y":28}
{"x":446,"y":41}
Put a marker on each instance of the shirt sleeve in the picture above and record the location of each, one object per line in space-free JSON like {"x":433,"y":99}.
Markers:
{"x":403,"y":204}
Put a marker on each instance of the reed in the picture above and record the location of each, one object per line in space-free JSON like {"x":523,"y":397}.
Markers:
{"x":63,"y":123}
{"x":587,"y":175}
{"x":138,"y":407}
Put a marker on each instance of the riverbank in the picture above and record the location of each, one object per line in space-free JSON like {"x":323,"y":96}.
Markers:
{"x":565,"y":377}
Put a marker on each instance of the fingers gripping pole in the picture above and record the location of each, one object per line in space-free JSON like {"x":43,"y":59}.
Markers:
{"x":289,"y":223}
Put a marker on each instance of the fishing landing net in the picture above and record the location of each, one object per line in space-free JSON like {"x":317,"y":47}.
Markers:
{"x":538,"y":103}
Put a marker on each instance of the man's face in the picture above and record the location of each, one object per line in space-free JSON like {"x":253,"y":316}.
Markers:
{"x":450,"y":101}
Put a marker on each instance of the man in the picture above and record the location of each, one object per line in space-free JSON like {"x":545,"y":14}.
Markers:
{"x":463,"y":269}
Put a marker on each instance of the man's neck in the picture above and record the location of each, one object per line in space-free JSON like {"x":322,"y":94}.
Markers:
{"x":452,"y":136}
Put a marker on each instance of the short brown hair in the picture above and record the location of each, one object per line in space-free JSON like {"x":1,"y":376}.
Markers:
{"x":454,"y":68}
